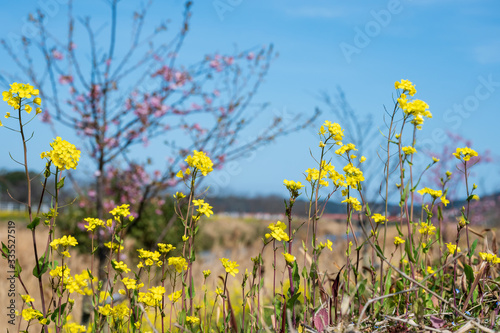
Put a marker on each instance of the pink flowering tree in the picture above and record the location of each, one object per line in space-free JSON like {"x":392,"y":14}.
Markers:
{"x":118,"y":99}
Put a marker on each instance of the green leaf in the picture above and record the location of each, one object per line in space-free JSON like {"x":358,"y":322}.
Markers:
{"x":60,"y":183}
{"x":295,"y":275}
{"x":43,"y":265}
{"x":399,"y":230}
{"x":469,"y":273}
{"x":56,"y":312}
{"x":18,"y":269}
{"x":404,"y":196}
{"x":34,"y":223}
{"x":181,"y":317}
{"x":440,"y":213}
{"x":304,"y":272}
{"x":409,"y":252}
{"x":54,"y":264}
{"x":5,"y":251}
{"x":362,"y":287}
{"x":388,"y":282}
{"x":472,"y":249}
{"x":380,"y":253}
{"x":291,"y":302}
{"x":368,"y":212}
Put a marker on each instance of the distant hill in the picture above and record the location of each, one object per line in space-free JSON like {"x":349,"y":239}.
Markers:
{"x":274,"y":204}
{"x":485,"y":212}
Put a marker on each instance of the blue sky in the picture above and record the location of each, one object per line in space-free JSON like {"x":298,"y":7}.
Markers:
{"x":449,"y":49}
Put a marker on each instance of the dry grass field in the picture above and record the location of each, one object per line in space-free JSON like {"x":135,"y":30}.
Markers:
{"x":235,"y":238}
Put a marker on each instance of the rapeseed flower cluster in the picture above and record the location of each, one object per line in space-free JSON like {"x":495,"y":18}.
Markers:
{"x":489,"y":257}
{"x":379,"y":218}
{"x":63,"y":155}
{"x":18,"y":92}
{"x":64,"y":242}
{"x":27,"y":298}
{"x":345,"y":149}
{"x":165,"y":248}
{"x":200,"y":161}
{"x":120,"y":212}
{"x":179,"y":263}
{"x":433,"y":193}
{"x":30,"y":313}
{"x":292,"y":186}
{"x":354,"y":202}
{"x":74,"y":328}
{"x":278,"y":232}
{"x":335,"y":132}
{"x":118,"y":312}
{"x":175,"y":296}
{"x":409,"y":150}
{"x":153,"y":298}
{"x":406,"y":86}
{"x":59,"y":271}
{"x":452,"y":248}
{"x":416,"y":108}
{"x":120,"y":266}
{"x":465,"y":153}
{"x":288,"y":258}
{"x":328,"y":245}
{"x":327,"y":171}
{"x":93,"y":223}
{"x":230,"y":266}
{"x":149,"y":258}
{"x":353,"y":176}
{"x":131,"y":283}
{"x":398,"y":240}
{"x":427,"y":229}
{"x":114,"y":246}
{"x":79,"y":283}
{"x":203,"y":208}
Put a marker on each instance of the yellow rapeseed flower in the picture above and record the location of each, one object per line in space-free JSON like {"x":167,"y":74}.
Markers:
{"x":379,"y":218}
{"x":29,"y":314}
{"x":64,"y":155}
{"x":289,"y":258}
{"x":120,"y":266}
{"x":452,"y":248}
{"x":427,"y":229}
{"x":179,"y":263}
{"x":278,"y":231}
{"x":465,"y":153}
{"x":434,"y":193}
{"x":406,"y":86}
{"x":230,"y":266}
{"x":398,"y":241}
{"x":409,"y":150}
{"x":174,"y":297}
{"x":199,"y":160}
{"x":489,"y":257}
